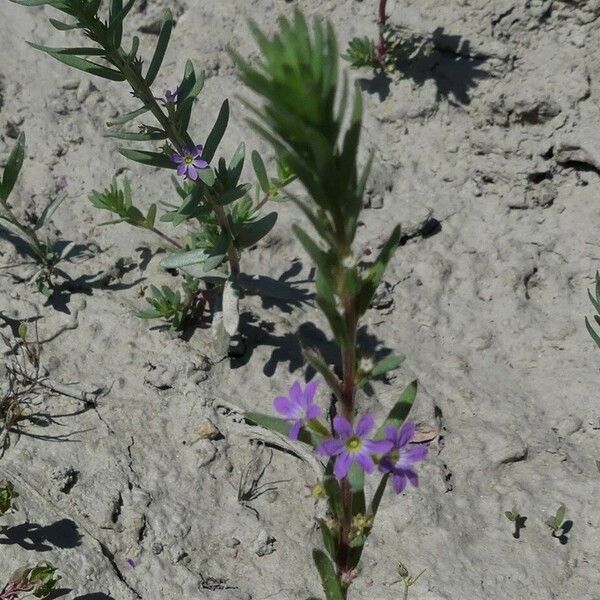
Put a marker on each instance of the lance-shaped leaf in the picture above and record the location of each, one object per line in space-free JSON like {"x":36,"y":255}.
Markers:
{"x":306,"y":435}
{"x":152,"y":159}
{"x":92,"y":68}
{"x":251,"y":233}
{"x":389,"y":363}
{"x":261,"y":172}
{"x":315,"y":359}
{"x":115,"y":23}
{"x":234,"y":170}
{"x":161,"y":47}
{"x":217,"y":132}
{"x":331,"y":584}
{"x":400,"y":410}
{"x":375,"y":272}
{"x":129,"y":116}
{"x":329,"y":540}
{"x":49,"y":211}
{"x":190,"y":87}
{"x":13,"y":167}
{"x":233,"y":194}
{"x":64,"y":26}
{"x":137,"y":136}
{"x":184,"y":259}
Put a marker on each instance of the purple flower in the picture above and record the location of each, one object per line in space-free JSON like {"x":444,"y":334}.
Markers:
{"x":399,"y":462}
{"x":189,"y":162}
{"x":299,"y":406}
{"x":171,"y":96}
{"x":353,"y":446}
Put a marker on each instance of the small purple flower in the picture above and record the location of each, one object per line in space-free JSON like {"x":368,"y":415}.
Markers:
{"x":399,"y":462}
{"x":171,"y":96}
{"x":353,"y":446}
{"x":189,"y":162}
{"x":299,"y":406}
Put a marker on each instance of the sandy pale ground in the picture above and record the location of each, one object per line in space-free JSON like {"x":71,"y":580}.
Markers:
{"x":495,"y":136}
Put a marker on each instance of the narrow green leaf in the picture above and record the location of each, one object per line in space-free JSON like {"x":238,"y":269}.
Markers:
{"x":137,"y":136}
{"x":400,"y":410}
{"x":233,"y":194}
{"x":49,"y":211}
{"x":151,"y":216}
{"x":328,"y":539}
{"x":13,"y":167}
{"x":153,"y":159}
{"x":331,"y":584}
{"x":80,"y":63}
{"x":161,"y":47}
{"x":115,"y":23}
{"x":217,"y":132}
{"x":389,"y":363}
{"x":234,"y":170}
{"x":315,"y":359}
{"x":376,"y":500}
{"x":591,"y":331}
{"x":261,"y":172}
{"x":128,"y":116}
{"x":280,"y":426}
{"x":253,"y":232}
{"x":63,"y":26}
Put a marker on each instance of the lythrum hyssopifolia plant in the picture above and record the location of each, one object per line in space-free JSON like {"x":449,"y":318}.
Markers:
{"x":46,"y":253}
{"x":305,"y":116}
{"x":226,"y":216}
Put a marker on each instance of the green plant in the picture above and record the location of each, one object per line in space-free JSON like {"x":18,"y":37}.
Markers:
{"x":46,"y":252}
{"x":225,"y":219}
{"x":595,"y":300}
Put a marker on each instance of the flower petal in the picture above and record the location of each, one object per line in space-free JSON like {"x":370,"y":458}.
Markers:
{"x":284,"y":407}
{"x":365,"y":425}
{"x":391,"y":434}
{"x":412,"y":476}
{"x":365,"y":461}
{"x":309,"y":392}
{"x":177,"y":159}
{"x":399,"y":483}
{"x":386,"y":465}
{"x":197,"y":150}
{"x":295,"y":430}
{"x":200,"y":163}
{"x":192,"y":173}
{"x":181,"y":169}
{"x":313,"y":411}
{"x":342,"y":465}
{"x":412,"y":455}
{"x":296,"y":393}
{"x":330,"y":447}
{"x":378,"y":446}
{"x":342,"y":427}
{"x":407,"y":432}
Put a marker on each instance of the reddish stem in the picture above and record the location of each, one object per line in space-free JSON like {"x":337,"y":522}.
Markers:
{"x":382,"y":46}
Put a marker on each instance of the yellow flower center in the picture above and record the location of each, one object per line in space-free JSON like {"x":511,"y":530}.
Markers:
{"x":189,"y":160}
{"x":353,"y":444}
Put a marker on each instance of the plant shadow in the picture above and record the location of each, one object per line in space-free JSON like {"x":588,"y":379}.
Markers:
{"x":63,"y":534}
{"x":450,"y":63}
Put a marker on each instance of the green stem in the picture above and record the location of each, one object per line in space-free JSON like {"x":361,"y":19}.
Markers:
{"x":165,"y":237}
{"x":118,"y":57}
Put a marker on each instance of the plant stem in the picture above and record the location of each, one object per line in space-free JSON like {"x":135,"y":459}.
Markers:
{"x":27,"y":232}
{"x":382,"y":46}
{"x":165,"y":237}
{"x":118,"y":57}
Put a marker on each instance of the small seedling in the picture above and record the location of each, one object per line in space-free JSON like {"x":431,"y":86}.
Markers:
{"x":406,"y":578}
{"x":515,"y":517}
{"x":556,"y":522}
